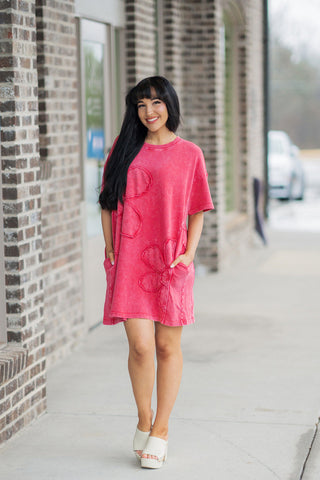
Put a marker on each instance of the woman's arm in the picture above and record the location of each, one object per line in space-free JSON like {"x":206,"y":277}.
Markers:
{"x":107,"y":233}
{"x":195,"y":224}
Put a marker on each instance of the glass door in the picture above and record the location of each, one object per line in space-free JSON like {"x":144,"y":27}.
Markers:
{"x":100,"y":118}
{"x":94,"y":59}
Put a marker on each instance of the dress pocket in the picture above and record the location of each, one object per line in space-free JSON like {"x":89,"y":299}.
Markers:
{"x":181,"y":274}
{"x":183,"y":265}
{"x":107,"y":263}
{"x":181,"y":292}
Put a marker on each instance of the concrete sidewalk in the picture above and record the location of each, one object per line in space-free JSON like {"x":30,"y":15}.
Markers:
{"x":249,"y":399}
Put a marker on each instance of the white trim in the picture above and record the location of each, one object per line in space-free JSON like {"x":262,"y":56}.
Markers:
{"x":122,"y":72}
{"x":234,"y":11}
{"x":108,"y":96}
{"x":117,"y":69}
{"x":93,"y":31}
{"x":106,"y":11}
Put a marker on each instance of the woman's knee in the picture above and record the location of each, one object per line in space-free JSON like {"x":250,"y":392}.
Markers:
{"x":168,"y":341}
{"x":166,"y":349}
{"x":140,"y":334}
{"x":142,"y":349}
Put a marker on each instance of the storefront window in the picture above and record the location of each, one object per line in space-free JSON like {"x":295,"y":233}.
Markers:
{"x":102,"y":91}
{"x":93,"y":53}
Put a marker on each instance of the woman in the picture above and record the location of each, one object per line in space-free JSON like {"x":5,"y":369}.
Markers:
{"x":153,"y":181}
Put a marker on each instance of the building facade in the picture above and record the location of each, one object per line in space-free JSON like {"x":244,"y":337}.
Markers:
{"x":65,"y":67}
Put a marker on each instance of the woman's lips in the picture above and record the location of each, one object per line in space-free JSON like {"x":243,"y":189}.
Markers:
{"x":152,"y":120}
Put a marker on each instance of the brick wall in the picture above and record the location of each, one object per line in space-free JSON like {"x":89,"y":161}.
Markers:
{"x":190,"y":49}
{"x":187,"y":42}
{"x":22,"y":361}
{"x":61,"y":175}
{"x":140,"y":40}
{"x":173,"y":28}
{"x":199,"y":107}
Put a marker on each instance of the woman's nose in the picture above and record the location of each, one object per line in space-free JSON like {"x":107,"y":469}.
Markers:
{"x":149,"y":108}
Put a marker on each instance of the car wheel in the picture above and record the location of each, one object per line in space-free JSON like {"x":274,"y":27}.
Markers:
{"x":301,"y":196}
{"x":296,"y":189}
{"x":300,"y":193}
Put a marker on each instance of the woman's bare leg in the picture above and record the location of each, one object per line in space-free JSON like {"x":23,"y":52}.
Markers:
{"x":141,"y":339}
{"x":169,"y":372}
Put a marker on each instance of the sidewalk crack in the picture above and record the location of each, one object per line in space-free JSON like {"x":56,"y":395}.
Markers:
{"x":310,"y":448}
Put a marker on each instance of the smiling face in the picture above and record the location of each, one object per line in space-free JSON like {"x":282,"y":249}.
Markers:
{"x":153,"y":113}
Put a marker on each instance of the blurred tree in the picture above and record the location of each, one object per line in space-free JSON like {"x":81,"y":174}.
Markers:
{"x":294,"y":95}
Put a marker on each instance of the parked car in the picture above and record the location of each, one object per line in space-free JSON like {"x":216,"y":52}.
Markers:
{"x":285,"y":170}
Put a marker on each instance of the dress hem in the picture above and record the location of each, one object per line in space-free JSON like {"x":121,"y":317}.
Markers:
{"x":119,"y":318}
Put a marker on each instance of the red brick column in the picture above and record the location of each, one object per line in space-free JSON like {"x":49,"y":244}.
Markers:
{"x":191,"y":62}
{"x":140,"y":40}
{"x":59,"y":126}
{"x":22,"y":361}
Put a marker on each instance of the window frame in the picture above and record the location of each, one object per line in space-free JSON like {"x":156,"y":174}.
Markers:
{"x":110,"y":37}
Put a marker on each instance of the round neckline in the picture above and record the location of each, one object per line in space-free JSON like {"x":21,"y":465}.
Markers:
{"x":162,"y":146}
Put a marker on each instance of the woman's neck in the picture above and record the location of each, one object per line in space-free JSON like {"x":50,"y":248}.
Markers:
{"x":160,"y":138}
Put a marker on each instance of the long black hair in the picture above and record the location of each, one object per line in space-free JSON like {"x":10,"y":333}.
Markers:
{"x":132,"y":136}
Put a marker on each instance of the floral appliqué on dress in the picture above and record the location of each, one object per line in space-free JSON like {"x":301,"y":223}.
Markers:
{"x":169,"y":283}
{"x":139,"y":182}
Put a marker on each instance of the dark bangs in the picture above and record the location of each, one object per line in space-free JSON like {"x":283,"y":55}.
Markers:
{"x":164,"y":91}
{"x":143,"y":89}
{"x":132,"y":136}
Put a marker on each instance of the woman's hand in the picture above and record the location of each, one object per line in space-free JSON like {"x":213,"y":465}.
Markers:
{"x":110,"y":255}
{"x":106,"y":221}
{"x":186,"y":258}
{"x":195,"y":224}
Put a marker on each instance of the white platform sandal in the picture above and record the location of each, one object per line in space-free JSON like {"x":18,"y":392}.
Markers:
{"x":157,"y":447}
{"x":140,"y":441}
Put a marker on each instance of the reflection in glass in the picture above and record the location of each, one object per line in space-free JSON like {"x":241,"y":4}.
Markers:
{"x":95,"y":128}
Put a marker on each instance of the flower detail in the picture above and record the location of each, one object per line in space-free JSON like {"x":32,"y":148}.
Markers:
{"x":171,"y":284}
{"x":160,"y":265}
{"x":139,"y":180}
{"x":131,"y":221}
{"x":158,"y":280}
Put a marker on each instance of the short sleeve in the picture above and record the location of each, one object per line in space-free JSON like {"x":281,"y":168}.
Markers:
{"x":200,"y":197}
{"x":105,"y":165}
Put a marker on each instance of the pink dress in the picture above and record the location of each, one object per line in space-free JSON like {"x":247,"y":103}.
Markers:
{"x":165,"y":184}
